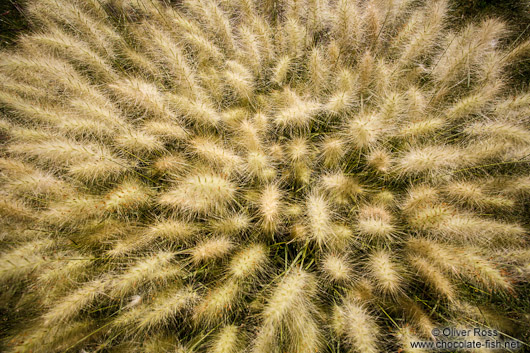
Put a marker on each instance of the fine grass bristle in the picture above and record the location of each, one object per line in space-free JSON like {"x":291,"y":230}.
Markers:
{"x":220,"y":299}
{"x":358,"y":327}
{"x":319,"y":217}
{"x":146,"y":317}
{"x":433,"y":277}
{"x":463,"y":262}
{"x":204,"y":193}
{"x":215,"y":154}
{"x":249,"y":262}
{"x":298,"y":112}
{"x":364,"y":131}
{"x":337,"y":268}
{"x":385,"y":273}
{"x":407,"y":339}
{"x":173,"y":230}
{"x":232,"y":224}
{"x":342,"y":189}
{"x":281,"y":70}
{"x":196,"y":111}
{"x":88,"y":162}
{"x":127,"y":197}
{"x":474,"y":195}
{"x":430,"y":159}
{"x":24,"y":259}
{"x":270,"y":209}
{"x":211,"y":249}
{"x":227,"y":340}
{"x":418,"y":317}
{"x":72,"y":304}
{"x":156,"y":268}
{"x":289,"y":301}
{"x":259,"y":166}
{"x":375,"y":223}
{"x":332,"y":151}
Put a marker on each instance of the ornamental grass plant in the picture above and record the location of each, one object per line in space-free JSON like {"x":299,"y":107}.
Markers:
{"x":267,"y":176}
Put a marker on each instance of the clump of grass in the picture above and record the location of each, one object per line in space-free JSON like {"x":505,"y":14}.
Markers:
{"x":244,"y":176}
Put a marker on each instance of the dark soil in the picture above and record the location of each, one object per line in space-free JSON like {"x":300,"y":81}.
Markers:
{"x":12,"y":21}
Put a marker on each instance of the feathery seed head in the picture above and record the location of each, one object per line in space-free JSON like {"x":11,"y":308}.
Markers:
{"x":384,"y":198}
{"x":473,"y":194}
{"x":385,"y":273}
{"x":380,"y":160}
{"x":421,"y":128}
{"x":143,"y":97}
{"x":248,"y":262}
{"x":174,"y":164}
{"x":227,"y":340}
{"x":289,"y":301}
{"x":215,"y":154}
{"x":319,"y":220}
{"x":202,"y":193}
{"x":72,"y":304}
{"x":341,"y":188}
{"x":407,"y":339}
{"x":297,"y":114}
{"x":337,"y":268}
{"x":231,"y":225}
{"x":258,"y":165}
{"x":375,"y":223}
{"x":420,"y":196}
{"x":172,"y":229}
{"x":166,"y":131}
{"x":21,"y":260}
{"x":196,"y":111}
{"x":211,"y":249}
{"x":74,"y":210}
{"x":239,"y":79}
{"x":418,"y":317}
{"x":332,"y":151}
{"x":279,"y":74}
{"x":430,"y":159}
{"x":433,"y":276}
{"x":298,"y":149}
{"x":270,"y":209}
{"x":158,"y":267}
{"x":358,"y":327}
{"x":127,"y":197}
{"x":339,"y":102}
{"x":343,"y":236}
{"x":220,"y":299}
{"x":249,"y":133}
{"x":364,"y":131}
